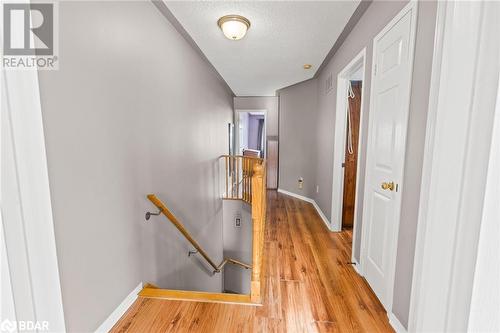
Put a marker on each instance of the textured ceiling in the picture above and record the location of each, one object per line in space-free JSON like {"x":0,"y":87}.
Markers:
{"x":283,"y":37}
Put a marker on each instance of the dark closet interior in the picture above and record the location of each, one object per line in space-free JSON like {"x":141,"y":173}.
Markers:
{"x":351,"y":154}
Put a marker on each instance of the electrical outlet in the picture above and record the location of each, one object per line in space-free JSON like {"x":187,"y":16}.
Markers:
{"x":237,"y":220}
{"x":317,"y":188}
{"x":301,"y":182}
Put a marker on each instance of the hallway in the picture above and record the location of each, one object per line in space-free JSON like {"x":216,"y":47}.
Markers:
{"x":310,"y":287}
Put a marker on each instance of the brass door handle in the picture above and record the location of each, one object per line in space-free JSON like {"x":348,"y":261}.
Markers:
{"x":388,"y":186}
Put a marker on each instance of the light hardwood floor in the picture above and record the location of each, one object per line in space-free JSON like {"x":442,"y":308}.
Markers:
{"x":310,"y":287}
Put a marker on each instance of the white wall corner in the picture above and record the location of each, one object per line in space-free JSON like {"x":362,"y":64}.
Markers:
{"x":303,"y":198}
{"x":396,"y":324}
{"x":322,"y":215}
{"x":113,"y":318}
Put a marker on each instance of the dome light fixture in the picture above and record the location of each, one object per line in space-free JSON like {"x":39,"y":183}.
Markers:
{"x":234,"y":27}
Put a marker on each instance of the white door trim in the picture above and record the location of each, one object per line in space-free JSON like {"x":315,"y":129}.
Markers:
{"x":237,"y":127}
{"x":340,"y":135}
{"x":25,"y":115}
{"x":339,"y":147}
{"x":412,"y":7}
{"x":459,"y":129}
{"x":485,"y":301}
{"x":29,"y":148}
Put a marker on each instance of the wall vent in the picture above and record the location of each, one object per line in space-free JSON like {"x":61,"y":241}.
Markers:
{"x":328,"y":83}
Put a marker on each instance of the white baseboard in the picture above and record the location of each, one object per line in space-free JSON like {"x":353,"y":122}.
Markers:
{"x":396,"y":324}
{"x":356,"y":267}
{"x":295,"y":195}
{"x":322,"y":215}
{"x":301,"y":197}
{"x":119,"y":311}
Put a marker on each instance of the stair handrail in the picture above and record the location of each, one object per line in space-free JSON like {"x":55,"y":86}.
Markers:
{"x":171,"y":217}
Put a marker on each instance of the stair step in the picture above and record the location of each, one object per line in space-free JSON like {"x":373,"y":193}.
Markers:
{"x":151,"y":291}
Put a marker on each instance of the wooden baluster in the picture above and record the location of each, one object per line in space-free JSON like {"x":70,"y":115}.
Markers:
{"x":226,"y":159}
{"x":232,"y":177}
{"x":238,"y":167}
{"x":247,"y":188}
{"x":247,"y":178}
{"x":252,"y":164}
{"x":244,"y":183}
{"x":235,"y":172}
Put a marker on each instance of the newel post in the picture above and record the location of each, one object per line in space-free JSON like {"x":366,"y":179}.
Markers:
{"x":258,"y":215}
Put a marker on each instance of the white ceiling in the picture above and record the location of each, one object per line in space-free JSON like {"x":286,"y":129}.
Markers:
{"x":284,"y":35}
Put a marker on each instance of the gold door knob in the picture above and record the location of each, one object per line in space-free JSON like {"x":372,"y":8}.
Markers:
{"x":388,"y":186}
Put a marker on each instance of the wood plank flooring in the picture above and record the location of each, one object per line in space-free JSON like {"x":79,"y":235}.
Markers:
{"x":310,"y":287}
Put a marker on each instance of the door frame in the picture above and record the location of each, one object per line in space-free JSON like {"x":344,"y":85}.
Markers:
{"x":339,"y":147}
{"x":237,"y":127}
{"x":412,"y":7}
{"x":464,"y":88}
{"x":23,"y":96}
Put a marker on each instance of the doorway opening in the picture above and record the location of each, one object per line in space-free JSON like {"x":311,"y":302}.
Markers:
{"x":348,"y":138}
{"x":353,"y":111}
{"x":251,"y":134}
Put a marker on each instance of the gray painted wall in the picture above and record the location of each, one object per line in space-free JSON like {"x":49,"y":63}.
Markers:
{"x":242,"y":131}
{"x":297,"y":118}
{"x":374,"y":20}
{"x":121,"y":122}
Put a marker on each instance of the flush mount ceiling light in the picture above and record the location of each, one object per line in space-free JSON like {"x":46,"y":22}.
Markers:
{"x":307,"y":66}
{"x":234,"y":27}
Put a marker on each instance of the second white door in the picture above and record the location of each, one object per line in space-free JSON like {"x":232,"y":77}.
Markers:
{"x":390,"y":97}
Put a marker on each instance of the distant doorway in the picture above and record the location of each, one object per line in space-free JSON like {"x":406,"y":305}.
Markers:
{"x":251,"y":134}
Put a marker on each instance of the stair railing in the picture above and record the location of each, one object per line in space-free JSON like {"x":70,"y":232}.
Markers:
{"x":245,"y":180}
{"x":171,"y":217}
{"x":238,"y":176}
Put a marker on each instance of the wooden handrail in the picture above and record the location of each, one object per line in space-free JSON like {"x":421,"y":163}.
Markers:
{"x":165,"y":211}
{"x":234,"y":262}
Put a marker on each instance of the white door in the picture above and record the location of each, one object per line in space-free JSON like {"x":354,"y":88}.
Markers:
{"x":391,"y":82}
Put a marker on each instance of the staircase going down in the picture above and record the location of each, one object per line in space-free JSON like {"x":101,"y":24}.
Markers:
{"x":250,"y":189}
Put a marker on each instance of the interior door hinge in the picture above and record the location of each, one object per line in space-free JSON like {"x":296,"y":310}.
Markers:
{"x":343,"y":165}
